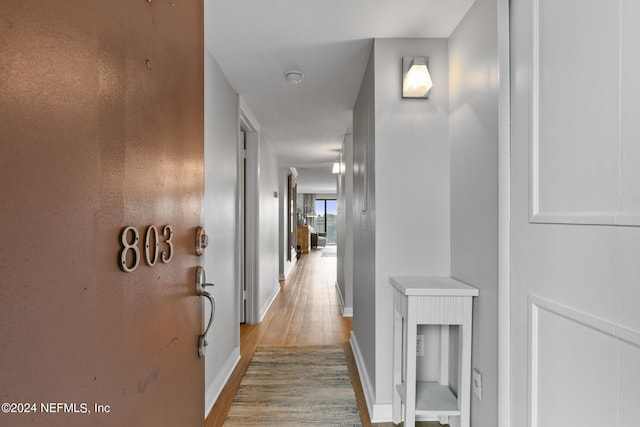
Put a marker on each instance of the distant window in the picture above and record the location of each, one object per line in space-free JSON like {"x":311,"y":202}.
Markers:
{"x":326,"y":212}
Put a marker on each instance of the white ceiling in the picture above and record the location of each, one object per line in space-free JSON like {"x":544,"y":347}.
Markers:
{"x":256,"y":41}
{"x":317,"y":179}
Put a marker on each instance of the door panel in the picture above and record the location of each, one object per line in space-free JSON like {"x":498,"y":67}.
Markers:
{"x":574,"y":293}
{"x":102,"y":128}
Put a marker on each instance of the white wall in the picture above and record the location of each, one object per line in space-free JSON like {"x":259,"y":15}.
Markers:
{"x":344,"y":276}
{"x":268,"y":229}
{"x":409,"y":198}
{"x":220,"y":222}
{"x":575,"y":321}
{"x":363,"y":333}
{"x":222,"y":124}
{"x":473,"y":62}
{"x":412,"y":184}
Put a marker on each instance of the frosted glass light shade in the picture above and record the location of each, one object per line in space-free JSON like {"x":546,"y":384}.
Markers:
{"x":416,"y":80}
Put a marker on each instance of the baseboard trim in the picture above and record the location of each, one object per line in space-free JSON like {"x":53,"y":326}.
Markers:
{"x":268,"y":305}
{"x":213,"y":391}
{"x":376,"y":412}
{"x":291,"y":265}
{"x":346,"y":311}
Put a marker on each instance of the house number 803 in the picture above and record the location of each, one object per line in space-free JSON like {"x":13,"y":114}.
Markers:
{"x":130,"y":255}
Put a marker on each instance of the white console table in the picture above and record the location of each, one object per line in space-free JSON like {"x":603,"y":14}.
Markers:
{"x":431,"y":301}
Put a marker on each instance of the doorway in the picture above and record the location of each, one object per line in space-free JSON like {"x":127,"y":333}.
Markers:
{"x":248,"y":218}
{"x":242,"y":200}
{"x":326,"y":220}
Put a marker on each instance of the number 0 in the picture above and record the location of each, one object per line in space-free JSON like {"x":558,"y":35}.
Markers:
{"x":152,"y":230}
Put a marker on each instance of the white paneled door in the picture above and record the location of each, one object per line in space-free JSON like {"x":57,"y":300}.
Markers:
{"x":575,"y":205}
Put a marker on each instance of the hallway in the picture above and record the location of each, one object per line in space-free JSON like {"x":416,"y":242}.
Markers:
{"x":306,"y":312}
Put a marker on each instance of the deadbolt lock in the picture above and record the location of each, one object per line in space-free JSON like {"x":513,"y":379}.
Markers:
{"x":202,"y":240}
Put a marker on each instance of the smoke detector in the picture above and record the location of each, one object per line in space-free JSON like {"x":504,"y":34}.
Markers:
{"x":293,"y":76}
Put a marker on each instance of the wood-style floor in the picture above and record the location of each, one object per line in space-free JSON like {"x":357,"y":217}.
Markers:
{"x":306,"y":312}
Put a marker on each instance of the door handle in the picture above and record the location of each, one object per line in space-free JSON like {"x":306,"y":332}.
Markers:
{"x":201,"y":284}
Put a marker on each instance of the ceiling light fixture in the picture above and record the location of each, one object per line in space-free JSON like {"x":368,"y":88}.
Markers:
{"x":416,"y":81}
{"x":293,"y":76}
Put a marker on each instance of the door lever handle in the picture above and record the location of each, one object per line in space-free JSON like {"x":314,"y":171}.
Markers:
{"x":200,"y":291}
{"x":202,"y":339}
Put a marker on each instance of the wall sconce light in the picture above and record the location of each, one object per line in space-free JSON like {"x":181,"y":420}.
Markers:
{"x":416,"y":81}
{"x":336,"y":168}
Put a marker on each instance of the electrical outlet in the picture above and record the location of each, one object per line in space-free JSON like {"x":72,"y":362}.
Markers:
{"x":476,"y":383}
{"x":420,"y":345}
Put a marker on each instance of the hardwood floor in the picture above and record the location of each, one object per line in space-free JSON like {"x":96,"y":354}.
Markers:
{"x":306,"y":312}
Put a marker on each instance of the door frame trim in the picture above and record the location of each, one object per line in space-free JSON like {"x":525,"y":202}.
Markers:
{"x":504,"y":216}
{"x":248,"y":122}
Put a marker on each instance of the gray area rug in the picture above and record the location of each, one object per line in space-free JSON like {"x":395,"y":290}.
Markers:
{"x":295,"y":386}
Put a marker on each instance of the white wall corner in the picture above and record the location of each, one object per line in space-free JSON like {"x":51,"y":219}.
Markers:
{"x":381,"y":413}
{"x":246,"y":116}
{"x":213,"y":391}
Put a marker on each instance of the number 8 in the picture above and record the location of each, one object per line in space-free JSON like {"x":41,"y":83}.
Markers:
{"x":126,"y":247}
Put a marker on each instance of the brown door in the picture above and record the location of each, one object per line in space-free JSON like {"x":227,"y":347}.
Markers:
{"x":101,"y":128}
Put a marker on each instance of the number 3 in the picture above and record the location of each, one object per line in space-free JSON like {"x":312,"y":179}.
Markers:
{"x":167,"y":232}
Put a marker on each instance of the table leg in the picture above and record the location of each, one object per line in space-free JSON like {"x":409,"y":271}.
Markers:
{"x":397,"y":367}
{"x":410,"y":363}
{"x":444,"y":364}
{"x":464,"y":397}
